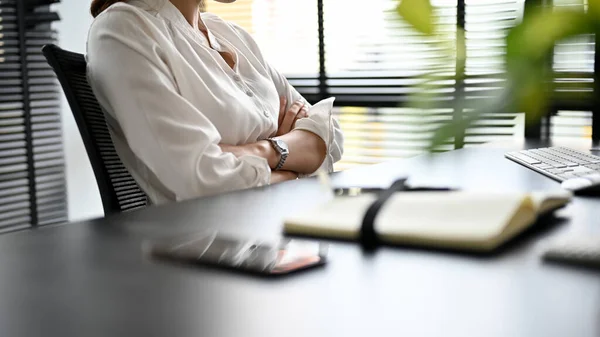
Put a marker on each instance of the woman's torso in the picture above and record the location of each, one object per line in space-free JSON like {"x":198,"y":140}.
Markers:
{"x":240,"y":101}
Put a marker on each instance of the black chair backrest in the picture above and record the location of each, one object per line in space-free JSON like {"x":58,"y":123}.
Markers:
{"x":118,"y":189}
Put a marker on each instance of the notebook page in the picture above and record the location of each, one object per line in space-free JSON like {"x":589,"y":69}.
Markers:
{"x":442,"y":215}
{"x":448,"y":216}
{"x":547,"y":201}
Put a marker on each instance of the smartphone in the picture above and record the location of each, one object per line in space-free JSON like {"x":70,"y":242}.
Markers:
{"x":355,"y":191}
{"x":245,"y":255}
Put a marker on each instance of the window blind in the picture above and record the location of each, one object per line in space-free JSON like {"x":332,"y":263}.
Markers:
{"x":287,"y":34}
{"x":486,"y":25}
{"x":573,"y":65}
{"x":32,"y":181}
{"x":372,"y":62}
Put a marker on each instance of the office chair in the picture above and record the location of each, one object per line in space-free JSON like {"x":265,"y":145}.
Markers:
{"x":118,"y":189}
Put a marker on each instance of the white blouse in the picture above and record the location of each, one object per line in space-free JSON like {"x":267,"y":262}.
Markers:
{"x":170,"y":99}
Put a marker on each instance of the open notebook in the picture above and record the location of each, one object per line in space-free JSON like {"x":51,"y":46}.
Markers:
{"x":461,"y":220}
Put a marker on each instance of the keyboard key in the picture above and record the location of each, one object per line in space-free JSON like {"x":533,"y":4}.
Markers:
{"x":543,"y":157}
{"x":555,"y":171}
{"x":579,"y":161}
{"x":583,"y":169}
{"x":565,"y":161}
{"x":525,"y":158}
{"x":576,"y":157}
{"x":559,"y":157}
{"x":567,"y":175}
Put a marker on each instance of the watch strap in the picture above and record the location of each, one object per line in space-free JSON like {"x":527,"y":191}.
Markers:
{"x":282,"y":154}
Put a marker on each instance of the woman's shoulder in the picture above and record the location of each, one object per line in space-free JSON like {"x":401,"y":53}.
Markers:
{"x":215,"y":22}
{"x":230,"y":30}
{"x":208,"y":17}
{"x":234,"y":33}
{"x":121,"y":17}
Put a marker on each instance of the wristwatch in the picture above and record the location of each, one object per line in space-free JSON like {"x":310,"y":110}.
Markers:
{"x":281,"y":147}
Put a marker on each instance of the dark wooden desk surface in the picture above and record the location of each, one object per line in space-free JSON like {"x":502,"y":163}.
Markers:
{"x":91,"y":279}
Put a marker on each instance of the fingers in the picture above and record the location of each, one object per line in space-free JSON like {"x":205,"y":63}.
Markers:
{"x":282,"y":105}
{"x":289,"y":118}
{"x":302,"y":114}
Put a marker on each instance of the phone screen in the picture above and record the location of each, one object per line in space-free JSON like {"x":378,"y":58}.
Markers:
{"x":283,"y":257}
{"x":355,"y":191}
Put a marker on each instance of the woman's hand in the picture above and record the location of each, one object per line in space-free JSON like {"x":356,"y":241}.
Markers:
{"x":261,"y":149}
{"x":287,"y":119}
{"x":307,"y":151}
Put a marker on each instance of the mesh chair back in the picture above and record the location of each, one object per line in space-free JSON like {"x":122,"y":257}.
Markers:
{"x":118,"y":189}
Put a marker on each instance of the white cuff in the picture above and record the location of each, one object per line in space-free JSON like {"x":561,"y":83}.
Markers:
{"x":261,"y":165}
{"x":319,"y":122}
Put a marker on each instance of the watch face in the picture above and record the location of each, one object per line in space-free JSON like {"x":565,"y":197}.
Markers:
{"x":282,"y":145}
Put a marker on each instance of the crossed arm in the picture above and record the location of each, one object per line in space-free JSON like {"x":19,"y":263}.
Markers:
{"x":307,"y":150}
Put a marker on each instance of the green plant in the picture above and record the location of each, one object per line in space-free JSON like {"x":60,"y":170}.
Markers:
{"x":528,"y":47}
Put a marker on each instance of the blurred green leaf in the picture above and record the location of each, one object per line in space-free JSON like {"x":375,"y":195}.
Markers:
{"x":530,"y":77}
{"x":529,"y":49}
{"x":532,"y":98}
{"x":594,"y":8}
{"x":451,"y":130}
{"x":418,"y":13}
{"x":498,"y":104}
{"x":535,"y":37}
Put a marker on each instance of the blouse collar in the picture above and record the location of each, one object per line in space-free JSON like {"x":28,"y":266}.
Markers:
{"x":169,"y":12}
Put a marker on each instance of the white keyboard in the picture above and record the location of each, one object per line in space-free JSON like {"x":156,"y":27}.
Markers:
{"x":558,"y":163}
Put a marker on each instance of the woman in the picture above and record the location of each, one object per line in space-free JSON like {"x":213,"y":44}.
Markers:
{"x":193,"y":107}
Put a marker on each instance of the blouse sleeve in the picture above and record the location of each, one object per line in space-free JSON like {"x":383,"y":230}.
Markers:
{"x":170,"y":136}
{"x":320,"y":119}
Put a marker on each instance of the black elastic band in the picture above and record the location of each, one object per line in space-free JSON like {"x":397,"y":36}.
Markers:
{"x":368,"y":236}
{"x":369,"y":239}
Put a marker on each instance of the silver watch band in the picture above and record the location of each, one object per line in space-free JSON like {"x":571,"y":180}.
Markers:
{"x":281,"y":162}
{"x":282,"y":153}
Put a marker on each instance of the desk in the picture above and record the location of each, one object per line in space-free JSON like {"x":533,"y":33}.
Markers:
{"x":90,"y":278}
